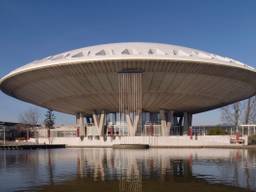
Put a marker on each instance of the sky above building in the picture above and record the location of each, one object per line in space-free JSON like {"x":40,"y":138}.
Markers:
{"x":32,"y":30}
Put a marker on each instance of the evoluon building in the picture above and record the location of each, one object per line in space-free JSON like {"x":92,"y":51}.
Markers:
{"x":130,"y":89}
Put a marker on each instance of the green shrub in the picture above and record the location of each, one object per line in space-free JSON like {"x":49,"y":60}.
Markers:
{"x":216,"y":131}
{"x":252,"y":140}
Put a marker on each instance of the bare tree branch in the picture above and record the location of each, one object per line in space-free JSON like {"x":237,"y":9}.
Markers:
{"x":240,"y":112}
{"x":247,"y":110}
{"x":252,"y":114}
{"x":231,"y":114}
{"x":31,"y":117}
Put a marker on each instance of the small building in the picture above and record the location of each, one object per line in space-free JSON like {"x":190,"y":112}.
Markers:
{"x":13,"y":131}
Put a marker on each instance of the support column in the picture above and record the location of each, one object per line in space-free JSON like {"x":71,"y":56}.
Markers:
{"x":99,"y":122}
{"x":130,"y":99}
{"x":132,"y":126}
{"x":187,"y":121}
{"x":175,"y":125}
{"x":181,"y":126}
{"x":163,"y":123}
{"x":170,"y":122}
{"x":80,"y":124}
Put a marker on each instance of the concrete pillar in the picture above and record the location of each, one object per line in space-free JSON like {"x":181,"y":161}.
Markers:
{"x":163,"y":123}
{"x":129,"y":124}
{"x":99,"y":122}
{"x":170,"y":122}
{"x":171,"y":117}
{"x":181,"y":125}
{"x":77,"y":120}
{"x":187,"y":120}
{"x":132,"y":126}
{"x":80,"y":124}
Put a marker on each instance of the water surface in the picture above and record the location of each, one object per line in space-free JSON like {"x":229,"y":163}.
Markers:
{"x":81,"y":169}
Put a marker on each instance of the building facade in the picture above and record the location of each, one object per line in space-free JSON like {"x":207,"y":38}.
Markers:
{"x":132,"y":89}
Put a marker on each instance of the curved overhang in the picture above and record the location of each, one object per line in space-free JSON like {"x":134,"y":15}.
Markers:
{"x":197,"y":81}
{"x":130,"y":51}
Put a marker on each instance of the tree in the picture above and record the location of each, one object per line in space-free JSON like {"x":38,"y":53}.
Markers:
{"x":231,"y":114}
{"x":30,"y":117}
{"x":250,"y":111}
{"x":49,"y":120}
{"x":240,"y":112}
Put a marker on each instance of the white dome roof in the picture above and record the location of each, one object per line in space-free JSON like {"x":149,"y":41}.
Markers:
{"x":174,"y":77}
{"x":131,"y":50}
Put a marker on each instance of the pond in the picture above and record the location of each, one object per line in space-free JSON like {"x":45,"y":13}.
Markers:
{"x":105,"y":169}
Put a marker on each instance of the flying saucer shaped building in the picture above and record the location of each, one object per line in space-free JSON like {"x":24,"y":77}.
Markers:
{"x":132,"y":88}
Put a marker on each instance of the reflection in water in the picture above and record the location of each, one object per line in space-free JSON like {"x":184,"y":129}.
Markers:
{"x":128,"y":170}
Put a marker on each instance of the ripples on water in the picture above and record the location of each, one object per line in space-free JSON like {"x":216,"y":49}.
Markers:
{"x":128,"y":170}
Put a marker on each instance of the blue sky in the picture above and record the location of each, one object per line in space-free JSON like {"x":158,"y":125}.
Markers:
{"x":32,"y":29}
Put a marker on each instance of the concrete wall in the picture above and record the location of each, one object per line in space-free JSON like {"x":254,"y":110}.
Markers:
{"x":153,"y":141}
